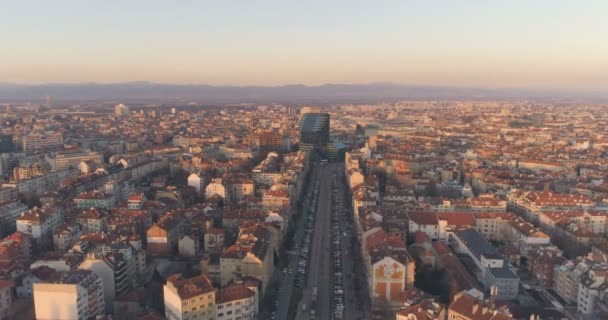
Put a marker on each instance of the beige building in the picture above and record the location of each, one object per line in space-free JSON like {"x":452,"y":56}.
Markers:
{"x":163,"y":236}
{"x":189,"y":298}
{"x":67,"y":159}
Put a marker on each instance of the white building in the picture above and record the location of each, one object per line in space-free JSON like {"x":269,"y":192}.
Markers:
{"x":94,"y":199}
{"x":188,"y":246}
{"x":121,"y":110}
{"x":566,"y":277}
{"x":215,"y":188}
{"x":194,"y":180}
{"x":112,"y":269}
{"x":77,"y":295}
{"x":236,"y":301}
{"x":40,"y":222}
{"x":593,"y":284}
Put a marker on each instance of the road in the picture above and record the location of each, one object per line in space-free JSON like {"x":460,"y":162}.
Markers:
{"x":287,"y":281}
{"x":320,"y":271}
{"x":353,"y":308}
{"x":319,"y":274}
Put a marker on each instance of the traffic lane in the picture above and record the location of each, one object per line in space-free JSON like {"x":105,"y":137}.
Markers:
{"x":319,"y":273}
{"x":300,"y":229}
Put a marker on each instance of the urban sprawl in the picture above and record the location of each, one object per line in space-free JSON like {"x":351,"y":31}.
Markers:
{"x":415,"y":210}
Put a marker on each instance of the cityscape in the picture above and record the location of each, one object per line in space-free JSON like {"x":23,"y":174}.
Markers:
{"x":320,"y":161}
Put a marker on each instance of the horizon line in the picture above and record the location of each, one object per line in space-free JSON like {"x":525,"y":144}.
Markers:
{"x":385,"y":83}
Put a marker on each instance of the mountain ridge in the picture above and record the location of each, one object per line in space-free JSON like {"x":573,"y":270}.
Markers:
{"x":297,"y":93}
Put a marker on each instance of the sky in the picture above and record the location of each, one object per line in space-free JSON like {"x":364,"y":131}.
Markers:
{"x":474,"y":43}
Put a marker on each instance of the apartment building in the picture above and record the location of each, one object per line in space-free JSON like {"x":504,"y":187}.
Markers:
{"x":71,"y":159}
{"x":189,"y":298}
{"x":236,"y":302}
{"x":38,"y":142}
{"x":76,"y":295}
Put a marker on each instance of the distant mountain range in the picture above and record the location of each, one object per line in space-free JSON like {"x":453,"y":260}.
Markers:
{"x":322,"y":94}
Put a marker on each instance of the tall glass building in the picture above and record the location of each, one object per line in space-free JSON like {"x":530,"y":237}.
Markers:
{"x":314,"y":134}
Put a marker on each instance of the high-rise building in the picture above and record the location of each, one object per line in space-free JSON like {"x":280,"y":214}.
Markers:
{"x":48,"y":102}
{"x":309,"y":109}
{"x":121,"y":110}
{"x":314,"y":134}
{"x":75,"y":295}
{"x":6,"y":143}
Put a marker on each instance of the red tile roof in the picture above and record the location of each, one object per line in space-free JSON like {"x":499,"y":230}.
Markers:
{"x":191,"y":287}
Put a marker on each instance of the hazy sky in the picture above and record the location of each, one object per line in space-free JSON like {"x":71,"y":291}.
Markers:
{"x":512,"y":43}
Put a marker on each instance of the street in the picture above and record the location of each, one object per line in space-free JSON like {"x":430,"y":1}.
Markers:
{"x":324,"y":256}
{"x":287,"y":281}
{"x":319,"y":274}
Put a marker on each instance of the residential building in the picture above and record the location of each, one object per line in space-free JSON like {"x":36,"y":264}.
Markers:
{"x":163,"y":236}
{"x":40,"y":223}
{"x":567,"y":275}
{"x":95,"y":199}
{"x":189,"y":298}
{"x":66,"y":235}
{"x":38,"y":142}
{"x":66,"y":159}
{"x":194,"y":180}
{"x":593,"y":285}
{"x":6,"y":298}
{"x":236,"y":301}
{"x":112,"y":268}
{"x":492,"y":270}
{"x":216,"y":188}
{"x":10,"y":211}
{"x":76,"y":295}
{"x":426,"y":309}
{"x":467,"y":307}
